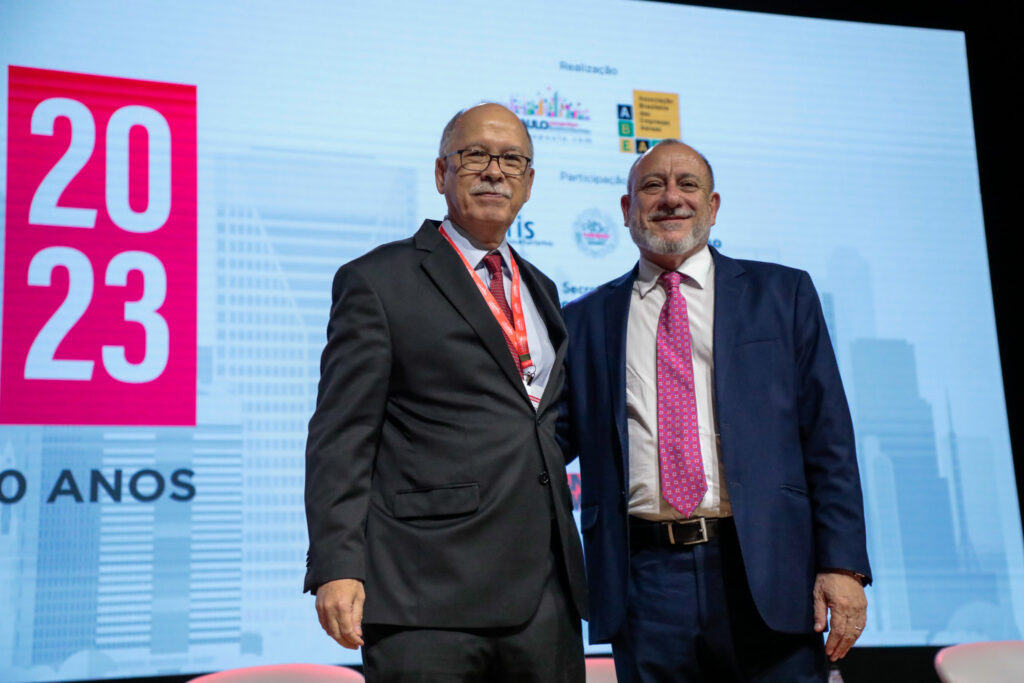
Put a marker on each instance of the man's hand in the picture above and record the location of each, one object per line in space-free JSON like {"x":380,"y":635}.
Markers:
{"x":843,"y":596}
{"x":339,"y":605}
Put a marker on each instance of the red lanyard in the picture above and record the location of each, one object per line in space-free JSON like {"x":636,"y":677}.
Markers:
{"x":516,"y":334}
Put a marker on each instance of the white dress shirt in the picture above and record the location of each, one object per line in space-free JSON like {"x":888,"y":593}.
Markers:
{"x":542,"y":353}
{"x":648,"y":297}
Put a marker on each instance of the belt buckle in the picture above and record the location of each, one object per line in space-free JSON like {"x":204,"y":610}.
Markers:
{"x":703,"y":531}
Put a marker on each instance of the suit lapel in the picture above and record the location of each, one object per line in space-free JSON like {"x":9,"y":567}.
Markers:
{"x":443,"y":265}
{"x":550,"y":311}
{"x":616,"y":319}
{"x":729,"y":288}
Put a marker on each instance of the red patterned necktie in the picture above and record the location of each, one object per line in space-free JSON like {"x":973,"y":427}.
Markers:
{"x":497,"y":287}
{"x":682,"y":470}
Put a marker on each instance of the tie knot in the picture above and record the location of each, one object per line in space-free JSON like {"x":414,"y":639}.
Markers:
{"x":493,"y":263}
{"x":670,"y":280}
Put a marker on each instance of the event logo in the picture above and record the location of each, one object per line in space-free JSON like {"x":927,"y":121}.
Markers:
{"x":523,"y":233}
{"x":99,"y":309}
{"x":651,"y":117}
{"x":596,"y":234}
{"x":552,"y":116}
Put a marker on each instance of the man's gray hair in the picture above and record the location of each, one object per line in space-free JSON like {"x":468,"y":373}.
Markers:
{"x":668,"y":141}
{"x":449,"y":130}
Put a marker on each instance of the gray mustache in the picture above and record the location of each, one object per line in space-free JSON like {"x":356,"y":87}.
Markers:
{"x":487,"y":188}
{"x":677,"y":213}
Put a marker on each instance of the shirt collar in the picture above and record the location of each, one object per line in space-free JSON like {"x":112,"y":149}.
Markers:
{"x":471,"y":248}
{"x":696,"y":270}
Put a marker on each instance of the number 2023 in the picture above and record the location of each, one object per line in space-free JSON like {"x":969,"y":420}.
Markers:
{"x":102,"y":191}
{"x":40,"y":362}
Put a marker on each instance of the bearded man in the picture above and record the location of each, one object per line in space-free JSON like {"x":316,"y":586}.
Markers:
{"x":721,"y":509}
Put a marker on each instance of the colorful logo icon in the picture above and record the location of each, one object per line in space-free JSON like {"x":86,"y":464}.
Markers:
{"x":552,"y":116}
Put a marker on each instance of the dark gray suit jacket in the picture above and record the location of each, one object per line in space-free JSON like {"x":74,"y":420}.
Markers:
{"x":428,"y":473}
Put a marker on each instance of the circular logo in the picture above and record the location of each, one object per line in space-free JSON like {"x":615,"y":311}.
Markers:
{"x":596,"y":234}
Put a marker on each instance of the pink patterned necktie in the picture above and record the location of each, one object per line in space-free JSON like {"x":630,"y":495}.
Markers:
{"x":497,"y":287}
{"x":682,"y":470}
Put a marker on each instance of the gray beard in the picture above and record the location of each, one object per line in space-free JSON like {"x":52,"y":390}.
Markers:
{"x":657,"y":244}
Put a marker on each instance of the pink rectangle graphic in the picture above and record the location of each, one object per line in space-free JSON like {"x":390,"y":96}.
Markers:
{"x":99,"y":298}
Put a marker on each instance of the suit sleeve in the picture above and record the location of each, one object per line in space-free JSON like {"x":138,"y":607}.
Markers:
{"x":826,"y":432}
{"x":345,"y":429}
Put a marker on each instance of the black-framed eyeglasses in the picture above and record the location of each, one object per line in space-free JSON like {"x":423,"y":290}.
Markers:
{"x":478,"y":160}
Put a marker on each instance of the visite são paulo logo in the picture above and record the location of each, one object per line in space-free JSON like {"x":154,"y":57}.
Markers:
{"x":552,"y":116}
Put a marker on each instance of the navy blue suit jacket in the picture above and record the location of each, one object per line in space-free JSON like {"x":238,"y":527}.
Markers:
{"x":787,"y":441}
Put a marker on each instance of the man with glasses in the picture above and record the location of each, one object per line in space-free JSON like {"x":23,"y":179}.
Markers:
{"x":441,"y":532}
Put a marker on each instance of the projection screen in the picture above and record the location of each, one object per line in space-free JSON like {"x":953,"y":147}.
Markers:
{"x":180,"y":183}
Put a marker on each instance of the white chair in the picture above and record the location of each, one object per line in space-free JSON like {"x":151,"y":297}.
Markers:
{"x":995,"y":662}
{"x":284,"y":673}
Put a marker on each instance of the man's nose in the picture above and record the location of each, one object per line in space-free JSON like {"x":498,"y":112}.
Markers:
{"x":672,"y":196}
{"x":492,"y":170}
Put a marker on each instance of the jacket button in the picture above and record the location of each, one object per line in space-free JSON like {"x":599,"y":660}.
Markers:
{"x":544,"y":478}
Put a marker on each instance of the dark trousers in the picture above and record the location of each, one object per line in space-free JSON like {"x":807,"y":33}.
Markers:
{"x":546,"y":649}
{"x":691,"y":618}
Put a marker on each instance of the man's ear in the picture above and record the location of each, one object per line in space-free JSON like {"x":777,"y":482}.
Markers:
{"x":440,"y":168}
{"x":529,"y":184}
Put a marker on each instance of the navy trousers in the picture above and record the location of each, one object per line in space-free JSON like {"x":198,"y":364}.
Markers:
{"x":691,"y":618}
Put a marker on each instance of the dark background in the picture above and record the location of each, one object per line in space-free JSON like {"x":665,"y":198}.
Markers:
{"x":992,"y":76}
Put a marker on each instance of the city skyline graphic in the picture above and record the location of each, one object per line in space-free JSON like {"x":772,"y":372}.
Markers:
{"x":549,"y":105}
